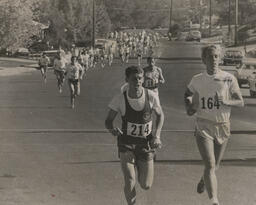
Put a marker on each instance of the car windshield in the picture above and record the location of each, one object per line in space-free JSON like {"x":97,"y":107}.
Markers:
{"x":234,"y":53}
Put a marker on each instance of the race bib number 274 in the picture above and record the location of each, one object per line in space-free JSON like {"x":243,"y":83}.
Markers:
{"x":139,"y":130}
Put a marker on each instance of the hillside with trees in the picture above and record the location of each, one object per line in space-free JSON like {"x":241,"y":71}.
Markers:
{"x":70,"y":21}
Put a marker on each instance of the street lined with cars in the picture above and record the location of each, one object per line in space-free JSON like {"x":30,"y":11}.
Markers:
{"x":236,"y":62}
{"x":233,"y":57}
{"x":244,"y":72}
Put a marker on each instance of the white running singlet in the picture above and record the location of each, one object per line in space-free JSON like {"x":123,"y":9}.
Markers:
{"x":207,"y":86}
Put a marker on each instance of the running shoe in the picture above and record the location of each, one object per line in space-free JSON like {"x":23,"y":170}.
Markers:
{"x":73,"y":105}
{"x":154,"y":157}
{"x":201,"y":186}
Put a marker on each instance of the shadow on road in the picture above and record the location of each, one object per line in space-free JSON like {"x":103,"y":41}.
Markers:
{"x":247,"y":97}
{"x":250,"y":104}
{"x":35,"y":107}
{"x":247,"y":162}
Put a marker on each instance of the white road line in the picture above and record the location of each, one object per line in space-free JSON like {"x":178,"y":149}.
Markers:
{"x":103,"y":131}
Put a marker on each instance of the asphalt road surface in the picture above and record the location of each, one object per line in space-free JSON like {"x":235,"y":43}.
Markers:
{"x":52,"y":155}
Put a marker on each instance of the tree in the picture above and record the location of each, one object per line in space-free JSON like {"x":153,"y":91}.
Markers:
{"x":17,"y":25}
{"x":247,"y":8}
{"x":71,"y":21}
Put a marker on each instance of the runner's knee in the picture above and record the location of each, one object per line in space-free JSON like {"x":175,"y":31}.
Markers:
{"x":145,"y":185}
{"x":210,"y":166}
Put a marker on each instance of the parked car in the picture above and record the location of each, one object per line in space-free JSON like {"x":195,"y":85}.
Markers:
{"x":21,"y":52}
{"x":244,"y":72}
{"x":5,"y":52}
{"x":252,"y":84}
{"x":194,"y":35}
{"x":233,"y":57}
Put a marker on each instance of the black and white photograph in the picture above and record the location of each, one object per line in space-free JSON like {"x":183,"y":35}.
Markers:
{"x":127,"y":102}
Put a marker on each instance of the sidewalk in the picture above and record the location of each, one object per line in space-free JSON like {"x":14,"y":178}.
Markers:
{"x":16,"y":66}
{"x":22,"y":60}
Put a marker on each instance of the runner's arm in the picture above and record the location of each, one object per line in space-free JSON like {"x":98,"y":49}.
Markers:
{"x":48,"y":60}
{"x":161,"y":77}
{"x":159,"y":121}
{"x":235,"y":100}
{"x":109,"y":123}
{"x":156,"y":141}
{"x":81,"y":71}
{"x":54,"y":64}
{"x":188,"y":102}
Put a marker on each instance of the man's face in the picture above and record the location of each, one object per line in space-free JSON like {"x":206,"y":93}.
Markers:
{"x":73,"y":60}
{"x":151,"y":62}
{"x":212,"y":61}
{"x":135,"y":80}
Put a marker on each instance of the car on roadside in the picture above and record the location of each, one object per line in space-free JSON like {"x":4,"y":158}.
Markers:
{"x":244,"y":72}
{"x":194,"y":35}
{"x":5,"y":52}
{"x":252,"y":85}
{"x":21,"y":52}
{"x":232,"y":57}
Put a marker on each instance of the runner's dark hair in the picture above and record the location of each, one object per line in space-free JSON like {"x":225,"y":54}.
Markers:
{"x":133,"y":70}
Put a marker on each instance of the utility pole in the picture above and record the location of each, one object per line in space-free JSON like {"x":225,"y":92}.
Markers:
{"x":93,"y":23}
{"x":200,"y":13}
{"x":170,"y":23}
{"x":229,"y":17}
{"x":236,"y":23}
{"x":210,"y":18}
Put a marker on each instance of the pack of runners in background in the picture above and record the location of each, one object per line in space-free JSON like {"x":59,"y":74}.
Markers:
{"x":124,"y":45}
{"x":132,"y":44}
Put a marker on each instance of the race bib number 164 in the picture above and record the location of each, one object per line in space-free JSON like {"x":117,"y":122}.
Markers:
{"x":139,"y":130}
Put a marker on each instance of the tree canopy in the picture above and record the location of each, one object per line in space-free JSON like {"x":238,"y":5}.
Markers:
{"x":70,"y":21}
{"x":17,"y":25}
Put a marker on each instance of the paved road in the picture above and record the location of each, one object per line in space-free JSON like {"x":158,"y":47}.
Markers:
{"x":52,"y":155}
